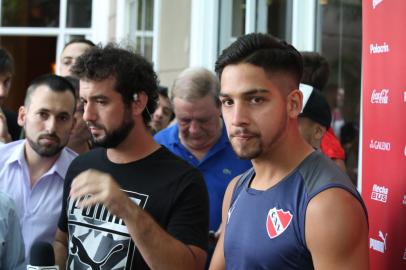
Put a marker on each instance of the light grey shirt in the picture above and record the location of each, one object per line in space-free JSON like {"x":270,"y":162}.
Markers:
{"x":11,"y":240}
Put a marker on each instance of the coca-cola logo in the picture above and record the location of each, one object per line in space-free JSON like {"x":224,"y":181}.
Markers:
{"x":380,"y":97}
{"x":378,"y":145}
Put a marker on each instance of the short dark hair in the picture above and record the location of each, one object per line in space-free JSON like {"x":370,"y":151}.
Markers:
{"x":317,"y":109}
{"x":265,"y":51}
{"x":79,"y":40}
{"x":75,"y":83}
{"x":163,"y":91}
{"x":6,"y":61}
{"x":133,"y":73}
{"x":54,"y":82}
{"x":316,"y":70}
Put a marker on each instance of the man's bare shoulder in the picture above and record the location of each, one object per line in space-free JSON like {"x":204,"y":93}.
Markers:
{"x":337,"y":230}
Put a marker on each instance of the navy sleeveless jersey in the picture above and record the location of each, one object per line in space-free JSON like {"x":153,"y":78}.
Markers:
{"x":266,"y":229}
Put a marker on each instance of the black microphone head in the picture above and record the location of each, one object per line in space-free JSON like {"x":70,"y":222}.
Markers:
{"x":42,"y":254}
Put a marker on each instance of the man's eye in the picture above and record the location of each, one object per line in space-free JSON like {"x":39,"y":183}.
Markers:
{"x":63,"y":118}
{"x":256,"y":100}
{"x":101,"y":101}
{"x":226,"y":102}
{"x":43,"y":115}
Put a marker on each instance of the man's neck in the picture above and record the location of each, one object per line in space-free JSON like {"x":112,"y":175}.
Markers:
{"x":37,"y":165}
{"x":279,"y":161}
{"x":138,"y":144}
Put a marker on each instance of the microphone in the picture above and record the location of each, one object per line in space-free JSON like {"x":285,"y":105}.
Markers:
{"x":42,"y":257}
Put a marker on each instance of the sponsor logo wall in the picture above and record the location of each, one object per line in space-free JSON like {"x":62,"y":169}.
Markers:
{"x":384,"y":131}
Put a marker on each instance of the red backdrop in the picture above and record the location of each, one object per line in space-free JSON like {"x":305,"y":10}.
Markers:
{"x":384,"y":130}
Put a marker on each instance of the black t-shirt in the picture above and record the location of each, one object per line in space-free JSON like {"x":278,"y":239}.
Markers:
{"x":165,"y":186}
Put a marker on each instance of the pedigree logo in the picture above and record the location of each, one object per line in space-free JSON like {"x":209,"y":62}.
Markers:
{"x":380,"y":97}
{"x":375,"y":3}
{"x":379,"y":193}
{"x":378,"y":245}
{"x":378,"y":145}
{"x":378,"y":49}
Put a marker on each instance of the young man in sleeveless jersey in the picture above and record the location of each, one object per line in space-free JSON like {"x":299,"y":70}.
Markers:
{"x":295,"y":209}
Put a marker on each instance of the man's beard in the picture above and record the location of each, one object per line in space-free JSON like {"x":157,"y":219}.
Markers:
{"x":114,"y":138}
{"x":249,"y":151}
{"x":46,"y":151}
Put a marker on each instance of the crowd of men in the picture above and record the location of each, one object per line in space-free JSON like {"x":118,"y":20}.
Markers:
{"x":223,"y":170}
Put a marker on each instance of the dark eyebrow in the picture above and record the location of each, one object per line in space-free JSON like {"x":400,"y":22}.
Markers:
{"x":49,"y":111}
{"x":249,"y":92}
{"x":97,"y":97}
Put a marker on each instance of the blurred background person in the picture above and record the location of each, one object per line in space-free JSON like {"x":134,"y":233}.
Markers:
{"x":72,"y":50}
{"x":79,"y":140}
{"x":316,"y":72}
{"x":80,"y":137}
{"x":163,"y":114}
{"x":9,"y":129}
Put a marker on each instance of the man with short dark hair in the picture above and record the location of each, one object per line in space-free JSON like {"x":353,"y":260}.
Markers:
{"x":316,"y":71}
{"x":9,"y":129}
{"x":315,"y":118}
{"x":33,"y":170}
{"x":295,"y":209}
{"x":71,"y":51}
{"x":130,"y":204}
{"x":163,"y":114}
{"x":80,"y":137}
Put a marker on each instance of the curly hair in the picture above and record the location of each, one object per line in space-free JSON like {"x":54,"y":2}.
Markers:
{"x":133,"y":73}
{"x":265,"y":51}
{"x":316,"y":70}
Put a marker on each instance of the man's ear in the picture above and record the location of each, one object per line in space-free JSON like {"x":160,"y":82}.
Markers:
{"x":139,"y":103}
{"x":22,"y":113}
{"x":319,"y":132}
{"x":294,"y":103}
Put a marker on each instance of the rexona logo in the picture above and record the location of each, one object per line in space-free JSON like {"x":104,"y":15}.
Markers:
{"x":380,"y":97}
{"x":379,"y":193}
{"x":377,"y":49}
{"x":375,"y":3}
{"x":378,"y":245}
{"x":378,"y":145}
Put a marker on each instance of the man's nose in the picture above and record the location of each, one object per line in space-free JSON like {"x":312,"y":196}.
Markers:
{"x":89,"y":113}
{"x":51,"y":125}
{"x":194,"y":127}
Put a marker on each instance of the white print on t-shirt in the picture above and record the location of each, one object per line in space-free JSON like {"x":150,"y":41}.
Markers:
{"x":98,"y":239}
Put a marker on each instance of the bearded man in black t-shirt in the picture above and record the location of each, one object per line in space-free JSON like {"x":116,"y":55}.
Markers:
{"x":129,"y":204}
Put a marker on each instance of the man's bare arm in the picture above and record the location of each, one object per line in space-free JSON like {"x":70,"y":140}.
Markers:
{"x":218,"y":260}
{"x":337,"y":231}
{"x":61,"y":248}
